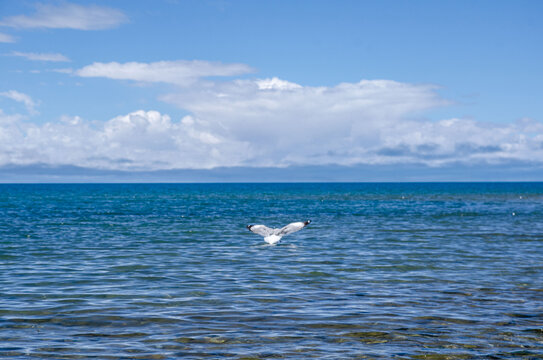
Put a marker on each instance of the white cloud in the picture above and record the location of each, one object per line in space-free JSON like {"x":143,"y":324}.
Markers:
{"x":463,"y":141}
{"x":276,"y":84}
{"x":137,"y":141}
{"x":369,"y":122}
{"x":243,"y":123}
{"x":5,"y":38}
{"x":286,"y":123}
{"x":68,"y":16}
{"x":55,"y":57}
{"x":22,"y":98}
{"x":172,"y":72}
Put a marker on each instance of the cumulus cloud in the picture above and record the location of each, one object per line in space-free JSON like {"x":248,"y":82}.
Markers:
{"x":68,"y":16}
{"x":22,"y":98}
{"x":462,"y":141}
{"x":274,"y":122}
{"x":369,"y":122}
{"x":141,"y":140}
{"x":172,"y":72}
{"x":287,"y":123}
{"x":54,"y":57}
{"x":5,"y":38}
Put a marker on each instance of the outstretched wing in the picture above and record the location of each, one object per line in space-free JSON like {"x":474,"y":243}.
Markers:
{"x":292,"y":227}
{"x":260,"y":230}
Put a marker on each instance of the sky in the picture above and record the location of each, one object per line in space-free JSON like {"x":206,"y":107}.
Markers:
{"x":438,"y":90}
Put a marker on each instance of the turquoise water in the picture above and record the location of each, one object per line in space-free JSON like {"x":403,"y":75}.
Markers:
{"x":403,"y":271}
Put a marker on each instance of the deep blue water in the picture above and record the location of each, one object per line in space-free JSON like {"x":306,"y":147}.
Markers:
{"x":403,"y":271}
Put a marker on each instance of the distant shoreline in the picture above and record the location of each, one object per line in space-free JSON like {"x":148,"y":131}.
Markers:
{"x":411,"y":173}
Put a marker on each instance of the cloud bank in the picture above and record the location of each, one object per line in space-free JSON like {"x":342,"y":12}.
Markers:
{"x":369,"y":122}
{"x":67,"y":16}
{"x":271,"y":123}
{"x":286,"y":123}
{"x":137,"y":141}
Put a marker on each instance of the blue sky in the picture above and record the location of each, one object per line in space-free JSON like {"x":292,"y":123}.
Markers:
{"x":163,"y":85}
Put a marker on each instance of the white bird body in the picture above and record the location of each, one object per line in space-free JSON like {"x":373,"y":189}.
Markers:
{"x":273,"y":236}
{"x":272,"y":239}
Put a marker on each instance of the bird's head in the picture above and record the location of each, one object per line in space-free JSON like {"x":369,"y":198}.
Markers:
{"x":307,"y":222}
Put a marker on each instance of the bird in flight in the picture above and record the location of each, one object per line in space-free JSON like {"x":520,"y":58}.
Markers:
{"x":272,"y":236}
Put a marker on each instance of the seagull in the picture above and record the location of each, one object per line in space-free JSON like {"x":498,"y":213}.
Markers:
{"x":272,"y":236}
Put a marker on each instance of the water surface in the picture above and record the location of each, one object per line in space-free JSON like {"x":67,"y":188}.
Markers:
{"x":404,"y":271}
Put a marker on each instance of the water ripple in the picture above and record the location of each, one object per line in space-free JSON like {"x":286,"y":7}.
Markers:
{"x":405,"y":271}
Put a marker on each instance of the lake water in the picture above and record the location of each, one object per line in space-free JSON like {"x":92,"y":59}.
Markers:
{"x":166,"y":271}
